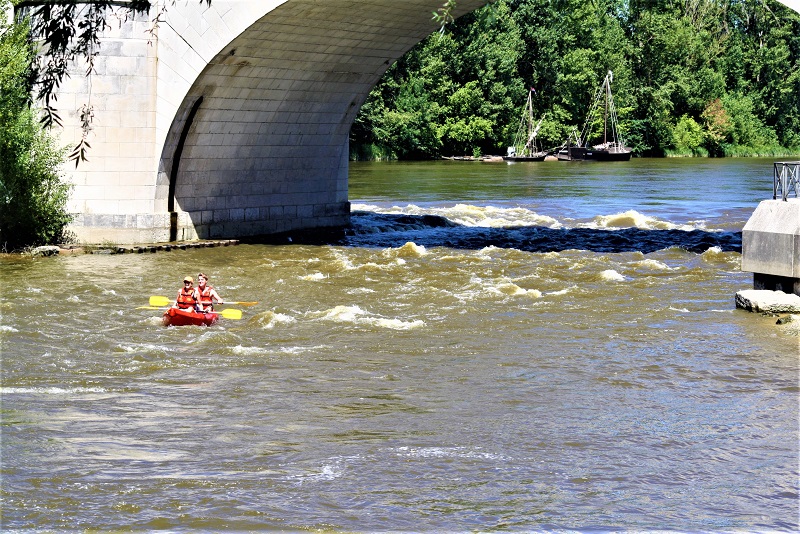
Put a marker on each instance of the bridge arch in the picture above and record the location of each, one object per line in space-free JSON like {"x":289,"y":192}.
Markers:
{"x":234,"y":120}
{"x":231,"y":120}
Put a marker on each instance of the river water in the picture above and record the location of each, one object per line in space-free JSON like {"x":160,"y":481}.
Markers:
{"x":544,"y":346}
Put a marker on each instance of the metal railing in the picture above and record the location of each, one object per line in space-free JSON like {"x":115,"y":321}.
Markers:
{"x":786,"y":178}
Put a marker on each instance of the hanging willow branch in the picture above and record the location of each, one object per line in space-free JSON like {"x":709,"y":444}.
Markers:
{"x":444,"y":15}
{"x":66,"y":31}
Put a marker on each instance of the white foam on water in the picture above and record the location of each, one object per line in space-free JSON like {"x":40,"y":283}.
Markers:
{"x":343,"y":314}
{"x":50,"y":390}
{"x":145,"y":347}
{"x":372,"y":267}
{"x":270,"y":319}
{"x":397,"y":324}
{"x":471,"y":215}
{"x":343,"y":262}
{"x":360,"y":291}
{"x":355,"y":315}
{"x":409,"y":250}
{"x":7,"y":329}
{"x":494,"y":217}
{"x":561,"y":292}
{"x":610,"y":275}
{"x":502,"y":287}
{"x":249,"y":351}
{"x":634,"y":219}
{"x":302,"y":350}
{"x":512,"y":289}
{"x":654,"y":265}
{"x":155,"y":320}
{"x":314,"y":277}
{"x":716,"y":254}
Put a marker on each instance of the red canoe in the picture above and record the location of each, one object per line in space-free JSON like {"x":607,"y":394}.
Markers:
{"x":178,"y":317}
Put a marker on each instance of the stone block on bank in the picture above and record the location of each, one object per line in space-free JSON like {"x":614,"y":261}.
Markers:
{"x":763,"y":300}
{"x":45,"y":251}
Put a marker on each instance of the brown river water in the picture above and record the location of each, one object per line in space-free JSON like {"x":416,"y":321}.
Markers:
{"x":523,"y":347}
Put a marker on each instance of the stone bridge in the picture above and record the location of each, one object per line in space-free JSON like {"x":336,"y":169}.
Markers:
{"x":231,"y":120}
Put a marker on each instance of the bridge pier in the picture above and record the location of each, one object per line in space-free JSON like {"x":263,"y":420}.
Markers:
{"x":771,"y":246}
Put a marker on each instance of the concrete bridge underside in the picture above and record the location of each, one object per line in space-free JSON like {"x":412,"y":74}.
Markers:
{"x":234,"y":120}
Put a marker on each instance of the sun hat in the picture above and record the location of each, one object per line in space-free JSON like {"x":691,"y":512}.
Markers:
{"x":188,"y":279}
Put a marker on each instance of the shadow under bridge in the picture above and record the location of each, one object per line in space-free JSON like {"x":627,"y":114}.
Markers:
{"x":259,"y":143}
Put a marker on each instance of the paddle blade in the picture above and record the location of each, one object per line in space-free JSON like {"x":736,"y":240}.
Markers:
{"x":230,"y":313}
{"x":159,"y":301}
{"x":243,"y":303}
{"x":149,"y":308}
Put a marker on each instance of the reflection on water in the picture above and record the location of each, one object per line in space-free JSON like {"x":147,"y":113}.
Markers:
{"x":519,"y":363}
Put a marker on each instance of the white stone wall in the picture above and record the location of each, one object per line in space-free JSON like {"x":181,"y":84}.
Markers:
{"x":281,"y":82}
{"x":118,"y":178}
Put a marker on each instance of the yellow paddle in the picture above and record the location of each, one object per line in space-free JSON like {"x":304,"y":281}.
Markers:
{"x":229,"y":313}
{"x":164,"y":301}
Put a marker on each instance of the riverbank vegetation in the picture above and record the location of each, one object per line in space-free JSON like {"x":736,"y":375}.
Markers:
{"x":691,"y":78}
{"x":33,"y":195}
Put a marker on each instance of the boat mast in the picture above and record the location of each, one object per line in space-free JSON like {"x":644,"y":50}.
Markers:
{"x":609,"y":77}
{"x":530,"y":123}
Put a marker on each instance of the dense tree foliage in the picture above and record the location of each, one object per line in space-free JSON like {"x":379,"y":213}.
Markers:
{"x":691,"y":77}
{"x":33,"y":196}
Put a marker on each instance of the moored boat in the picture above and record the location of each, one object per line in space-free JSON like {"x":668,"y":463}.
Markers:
{"x":525,"y":147}
{"x":613,"y":147}
{"x":605,"y":152}
{"x":179,"y":317}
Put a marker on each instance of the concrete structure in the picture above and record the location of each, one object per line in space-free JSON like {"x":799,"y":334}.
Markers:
{"x":771,"y":245}
{"x":230,"y":120}
{"x":766,"y":301}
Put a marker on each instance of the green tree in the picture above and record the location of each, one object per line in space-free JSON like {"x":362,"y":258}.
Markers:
{"x":33,"y":196}
{"x":457,"y":92}
{"x":747,"y":129}
{"x":729,"y":67}
{"x":688,"y":137}
{"x":765,"y":63}
{"x":718,"y":127}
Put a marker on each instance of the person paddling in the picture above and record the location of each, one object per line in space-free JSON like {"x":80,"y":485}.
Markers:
{"x":186,"y":296}
{"x":205,"y":294}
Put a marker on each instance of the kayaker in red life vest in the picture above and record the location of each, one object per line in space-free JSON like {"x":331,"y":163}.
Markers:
{"x":205,"y":294}
{"x":186,"y":296}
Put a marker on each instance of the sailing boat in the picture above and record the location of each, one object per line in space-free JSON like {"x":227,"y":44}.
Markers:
{"x":613,"y":147}
{"x":525,"y":148}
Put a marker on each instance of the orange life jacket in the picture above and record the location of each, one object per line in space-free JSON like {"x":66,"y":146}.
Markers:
{"x":186,"y":298}
{"x":205,"y":298}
